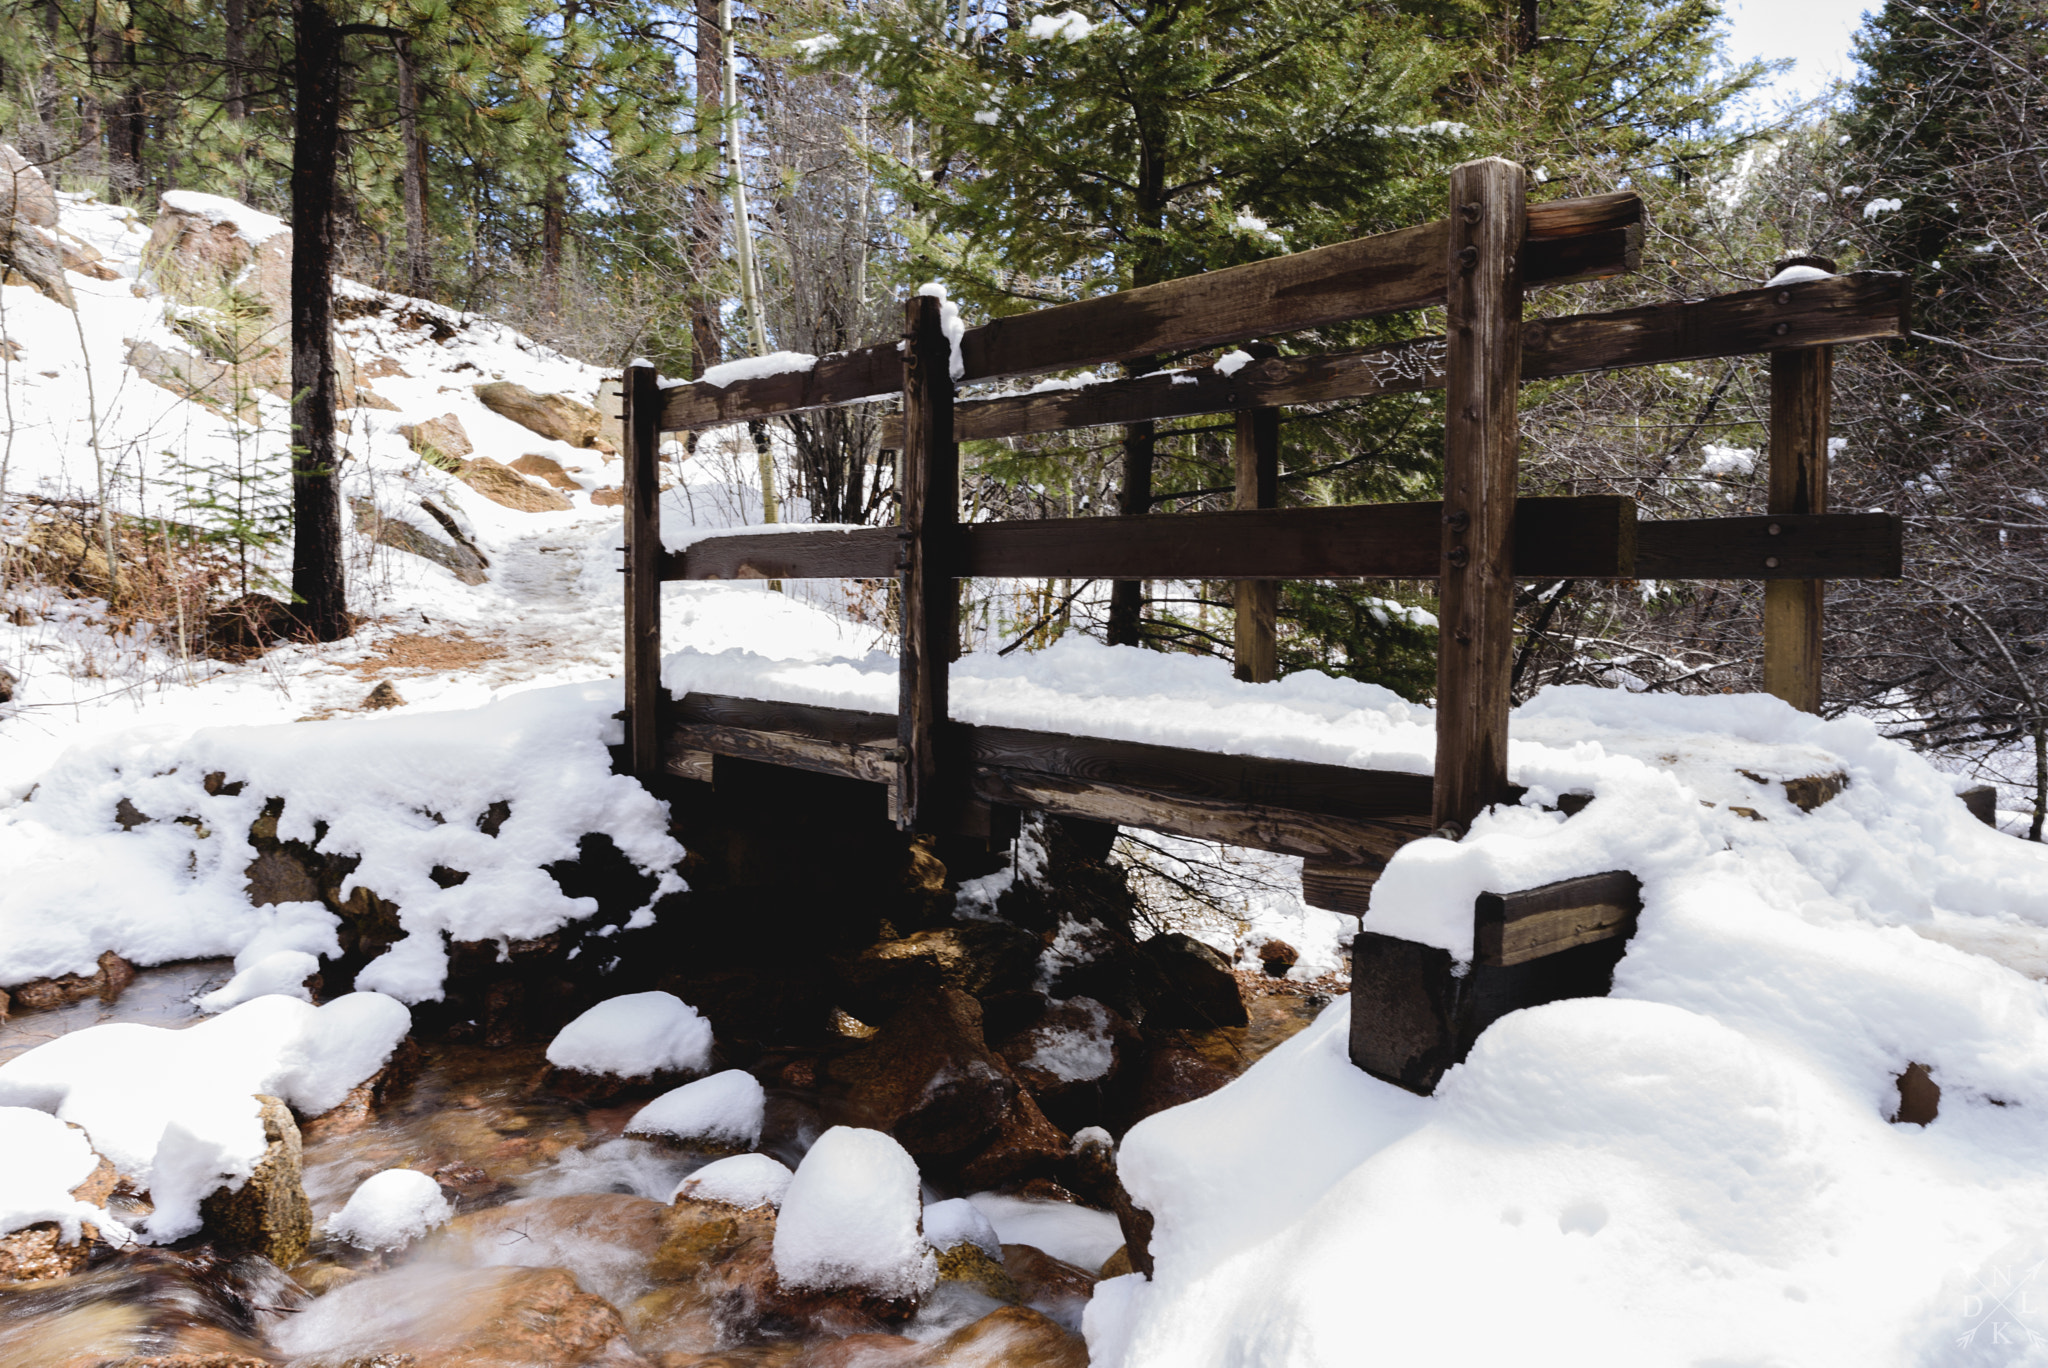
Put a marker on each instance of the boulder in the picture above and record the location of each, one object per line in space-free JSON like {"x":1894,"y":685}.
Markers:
{"x":268,"y":1214}
{"x":1011,"y":1337}
{"x":459,"y":560}
{"x":472,"y":1318}
{"x":547,"y":469}
{"x":29,"y":256}
{"x":1051,"y":1285}
{"x":230,"y":268}
{"x":1276,"y":957}
{"x":974,"y":1266}
{"x":978,"y":958}
{"x":24,"y":193}
{"x":441,"y":441}
{"x":554,"y":416}
{"x":197,"y":377}
{"x":104,"y":983}
{"x":504,"y":486}
{"x":39,"y":1251}
{"x":385,"y":695}
{"x":1192,"y":984}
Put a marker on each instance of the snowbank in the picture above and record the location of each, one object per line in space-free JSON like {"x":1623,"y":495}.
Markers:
{"x":45,"y":1160}
{"x":850,"y":1219}
{"x":636,"y":1035}
{"x":744,"y":1180}
{"x":1702,"y":1162}
{"x":176,"y":1110}
{"x":724,"y":1109}
{"x":390,"y":1210}
{"x":407,"y":793}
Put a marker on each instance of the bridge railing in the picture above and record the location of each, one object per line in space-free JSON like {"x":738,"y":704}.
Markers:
{"x":1477,"y":264}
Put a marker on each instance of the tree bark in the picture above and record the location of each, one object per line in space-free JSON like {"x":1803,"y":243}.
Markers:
{"x":418,"y":268}
{"x":1526,"y":32}
{"x":316,"y":509}
{"x":235,"y":22}
{"x":707,"y":210}
{"x":554,"y":204}
{"x":1134,"y":498}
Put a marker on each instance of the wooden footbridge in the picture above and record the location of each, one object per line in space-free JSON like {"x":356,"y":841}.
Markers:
{"x":1415,"y":1012}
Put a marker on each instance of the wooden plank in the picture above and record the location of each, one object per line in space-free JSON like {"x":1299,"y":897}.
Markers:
{"x":1800,"y":394}
{"x":1513,"y":928}
{"x":1411,"y":1011}
{"x":929,"y":480}
{"x":871,"y":763}
{"x":1865,"y":306}
{"x":1339,"y":887}
{"x":862,"y":553}
{"x":1476,"y":587}
{"x":1257,"y":619}
{"x":844,"y":725}
{"x":1388,"y":273}
{"x":643,"y":572}
{"x":1804,"y":546}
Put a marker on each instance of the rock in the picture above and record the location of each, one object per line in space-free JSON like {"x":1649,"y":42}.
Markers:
{"x":441,"y":441}
{"x":979,"y":958}
{"x":1013,"y":1337}
{"x":547,"y":469}
{"x":611,"y":496}
{"x":480,"y":1318}
{"x":860,"y":1351}
{"x":1173,"y":1073}
{"x":105,"y":983}
{"x":39,"y":1251}
{"x":7,"y":686}
{"x":192,"y":1308}
{"x":1116,"y":1265}
{"x":554,"y":416}
{"x":269,"y":1213}
{"x":28,"y":256}
{"x":502,"y":485}
{"x":24,"y":193}
{"x":190,"y":374}
{"x":1276,"y":957}
{"x":972,"y":1265}
{"x":385,"y":695}
{"x":1193,"y":984}
{"x":462,"y":562}
{"x":1052,"y":1285}
{"x":198,"y":259}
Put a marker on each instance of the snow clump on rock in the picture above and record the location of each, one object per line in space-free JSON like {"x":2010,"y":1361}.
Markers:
{"x":637,"y":1035}
{"x":746,"y":1181}
{"x":390,"y":1210}
{"x":850,"y":1219}
{"x":723,"y":1110}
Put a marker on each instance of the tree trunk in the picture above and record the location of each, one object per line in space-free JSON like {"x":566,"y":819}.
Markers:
{"x":707,"y":217}
{"x":418,"y":271}
{"x":1525,"y":27}
{"x":235,"y":21}
{"x":316,"y":140}
{"x":1134,"y":498}
{"x":554,"y":203}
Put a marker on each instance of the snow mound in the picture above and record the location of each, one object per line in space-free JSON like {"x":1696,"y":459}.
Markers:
{"x":176,"y":1110}
{"x":636,"y":1035}
{"x":724,"y":1109}
{"x":390,"y":1210}
{"x":45,"y":1160}
{"x":959,"y":1222}
{"x":1082,"y":1236}
{"x":283,"y":971}
{"x":745,"y":1181}
{"x":757,"y":368}
{"x":850,"y":1219}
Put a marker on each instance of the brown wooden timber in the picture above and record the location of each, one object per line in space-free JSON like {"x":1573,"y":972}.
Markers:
{"x":1257,"y":617}
{"x":1340,"y":887}
{"x":1476,"y":589}
{"x":1514,"y":928}
{"x":643,"y":571}
{"x":1866,"y":306}
{"x":1800,"y":395}
{"x":1586,"y":537}
{"x":1805,"y":547}
{"x":929,"y":480}
{"x":1388,"y":273}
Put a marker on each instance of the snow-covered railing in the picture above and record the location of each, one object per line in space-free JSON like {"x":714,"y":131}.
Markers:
{"x":944,"y":776}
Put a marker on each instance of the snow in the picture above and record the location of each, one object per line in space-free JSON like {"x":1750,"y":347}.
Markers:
{"x":950,"y":322}
{"x":745,"y":1181}
{"x":959,"y":1221}
{"x":757,"y":368}
{"x":177,"y":1111}
{"x":635,"y":1035}
{"x":284,"y":971}
{"x":1882,"y":206}
{"x":850,"y":1218}
{"x":1233,"y":361}
{"x":1794,"y":275}
{"x":253,"y":226}
{"x":1068,"y":26}
{"x":45,"y":1160}
{"x":1082,"y":1236}
{"x":722,"y":1109}
{"x":817,"y":47}
{"x":390,"y":1210}
{"x":1716,"y":459}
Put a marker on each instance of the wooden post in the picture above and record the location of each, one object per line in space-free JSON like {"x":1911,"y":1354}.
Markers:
{"x":1799,"y":484}
{"x":642,"y":431}
{"x":1481,"y":436}
{"x":1258,"y":601}
{"x":928,"y":474}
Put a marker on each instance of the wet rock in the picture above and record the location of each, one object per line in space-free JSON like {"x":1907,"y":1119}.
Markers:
{"x":547,"y":469}
{"x":269,"y":1213}
{"x":462,"y":562}
{"x":972,"y":1265}
{"x":864,"y":1351}
{"x":502,"y":485}
{"x":182,"y":1306}
{"x":554,"y":416}
{"x":38,"y":1252}
{"x":105,"y":983}
{"x":1193,"y":986}
{"x":1013,"y":1337}
{"x":1173,"y":1072}
{"x":1116,"y":1265}
{"x":482,"y":1318}
{"x":385,"y":695}
{"x":1090,"y":1170}
{"x":1276,"y":957}
{"x":980,"y":958}
{"x":442,"y":441}
{"x":1071,"y":1054}
{"x":1052,"y":1285}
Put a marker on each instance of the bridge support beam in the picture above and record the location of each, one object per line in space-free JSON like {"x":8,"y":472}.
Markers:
{"x":1800,"y":401}
{"x":642,"y":430}
{"x":928,"y":779}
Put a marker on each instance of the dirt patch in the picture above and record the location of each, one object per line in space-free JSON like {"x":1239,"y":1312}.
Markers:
{"x":455,"y":651}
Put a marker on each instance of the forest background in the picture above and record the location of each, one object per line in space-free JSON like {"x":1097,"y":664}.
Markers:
{"x":619,"y":178}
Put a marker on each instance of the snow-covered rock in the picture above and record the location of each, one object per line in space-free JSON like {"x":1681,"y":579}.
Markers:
{"x":746,"y":1181}
{"x":850,"y":1220}
{"x":637,"y":1035}
{"x":390,"y":1210}
{"x":722,"y":1111}
{"x":958,"y":1221}
{"x":48,"y":1165}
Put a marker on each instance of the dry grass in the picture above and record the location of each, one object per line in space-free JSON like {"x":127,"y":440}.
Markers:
{"x":408,"y":651}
